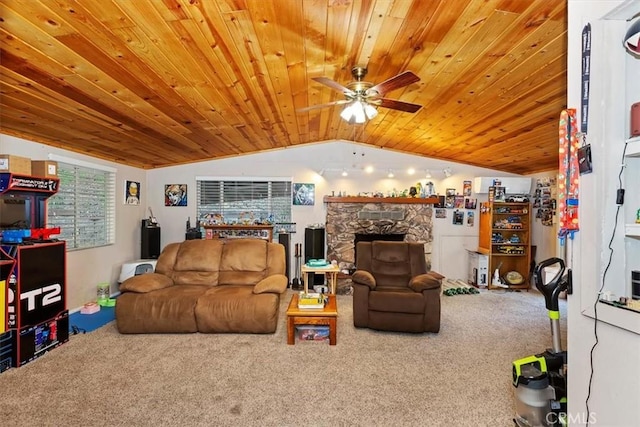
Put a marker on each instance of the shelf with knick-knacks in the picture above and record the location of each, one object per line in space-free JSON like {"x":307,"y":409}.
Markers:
{"x":632,"y":157}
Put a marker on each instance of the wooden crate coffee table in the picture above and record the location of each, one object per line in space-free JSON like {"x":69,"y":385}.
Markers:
{"x":312,"y":316}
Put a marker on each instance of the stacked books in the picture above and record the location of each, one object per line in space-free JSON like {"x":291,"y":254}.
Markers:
{"x":311,"y":300}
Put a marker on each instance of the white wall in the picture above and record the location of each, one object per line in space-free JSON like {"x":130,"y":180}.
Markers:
{"x":616,"y":378}
{"x":302,"y":164}
{"x":86,"y":268}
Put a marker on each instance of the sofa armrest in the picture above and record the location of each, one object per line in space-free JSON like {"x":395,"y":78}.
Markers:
{"x":363,"y":277}
{"x":424,"y":282}
{"x":276,"y":283}
{"x":147,"y":282}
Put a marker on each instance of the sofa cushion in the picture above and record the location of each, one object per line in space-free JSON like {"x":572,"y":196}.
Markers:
{"x":276,"y":283}
{"x":146,"y":283}
{"x":197,"y":262}
{"x":396,"y":300}
{"x":168,"y":310}
{"x":237,"y":309}
{"x":423,"y":282}
{"x":244,"y":262}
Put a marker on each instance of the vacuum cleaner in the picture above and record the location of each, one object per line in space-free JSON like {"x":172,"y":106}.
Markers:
{"x":540,"y":380}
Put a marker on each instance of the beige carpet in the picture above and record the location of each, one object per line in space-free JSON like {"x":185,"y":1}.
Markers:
{"x":459,"y":377}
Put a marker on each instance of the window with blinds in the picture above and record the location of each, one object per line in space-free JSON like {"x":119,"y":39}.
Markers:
{"x":84,"y":207}
{"x":242,"y":201}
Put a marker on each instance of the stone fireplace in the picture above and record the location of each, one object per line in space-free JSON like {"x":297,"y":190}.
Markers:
{"x":390,"y":217}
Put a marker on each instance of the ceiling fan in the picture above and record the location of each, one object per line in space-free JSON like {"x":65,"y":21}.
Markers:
{"x":363,"y":97}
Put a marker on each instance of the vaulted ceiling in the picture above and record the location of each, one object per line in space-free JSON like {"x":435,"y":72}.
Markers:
{"x":153,"y":83}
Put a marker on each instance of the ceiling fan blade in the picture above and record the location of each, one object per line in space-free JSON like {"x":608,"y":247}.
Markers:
{"x":401,"y":80}
{"x":394,"y":104}
{"x":329,"y":104}
{"x":332,"y":84}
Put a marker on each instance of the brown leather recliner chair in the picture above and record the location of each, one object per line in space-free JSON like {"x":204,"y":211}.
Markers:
{"x":392,"y":289}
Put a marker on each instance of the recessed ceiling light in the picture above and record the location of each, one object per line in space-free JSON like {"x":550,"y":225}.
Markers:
{"x":411,"y":171}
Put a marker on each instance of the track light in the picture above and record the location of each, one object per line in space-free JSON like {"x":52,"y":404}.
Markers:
{"x":447,"y":172}
{"x":321,"y":173}
{"x":344,"y":172}
{"x":428,"y":174}
{"x":390,"y":174}
{"x":411,"y":171}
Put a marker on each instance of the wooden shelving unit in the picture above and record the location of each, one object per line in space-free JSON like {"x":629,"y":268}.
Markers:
{"x":505,"y":238}
{"x":241,"y":231}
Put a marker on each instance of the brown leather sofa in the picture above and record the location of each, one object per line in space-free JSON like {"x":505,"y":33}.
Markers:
{"x":393,"y":289}
{"x":209,"y":286}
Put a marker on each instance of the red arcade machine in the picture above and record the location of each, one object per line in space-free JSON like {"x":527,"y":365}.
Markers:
{"x":34,"y":316}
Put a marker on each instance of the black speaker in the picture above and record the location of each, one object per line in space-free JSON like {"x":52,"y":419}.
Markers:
{"x":285,"y":240}
{"x":314,"y":249}
{"x":150,"y":241}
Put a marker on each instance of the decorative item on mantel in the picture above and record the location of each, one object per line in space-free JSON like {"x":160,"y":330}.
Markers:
{"x":377,"y":199}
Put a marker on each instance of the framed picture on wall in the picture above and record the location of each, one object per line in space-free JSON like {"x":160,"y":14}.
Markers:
{"x":131,"y":193}
{"x":175,"y":195}
{"x":304,"y":194}
{"x":466,"y":188}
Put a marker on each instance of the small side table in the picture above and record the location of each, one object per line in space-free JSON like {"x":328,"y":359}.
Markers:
{"x":312,"y":316}
{"x":331,"y":271}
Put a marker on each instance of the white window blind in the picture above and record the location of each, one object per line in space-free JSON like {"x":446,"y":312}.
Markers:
{"x":84,"y":207}
{"x":239,"y":201}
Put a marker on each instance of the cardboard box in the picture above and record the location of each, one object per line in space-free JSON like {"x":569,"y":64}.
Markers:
{"x":15,"y":164}
{"x":44,"y":168}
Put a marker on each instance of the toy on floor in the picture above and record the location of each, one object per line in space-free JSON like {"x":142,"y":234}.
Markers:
{"x":457,"y":287}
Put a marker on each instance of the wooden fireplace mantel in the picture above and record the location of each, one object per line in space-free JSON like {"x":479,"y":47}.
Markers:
{"x":398,"y":200}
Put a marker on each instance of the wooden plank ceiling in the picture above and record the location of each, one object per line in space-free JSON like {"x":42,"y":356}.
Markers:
{"x":153,"y":83}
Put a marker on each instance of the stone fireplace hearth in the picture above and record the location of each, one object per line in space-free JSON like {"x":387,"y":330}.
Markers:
{"x":343,"y":224}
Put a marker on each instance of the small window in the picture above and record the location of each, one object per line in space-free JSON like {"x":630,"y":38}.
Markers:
{"x":237,"y":201}
{"x":84,"y":207}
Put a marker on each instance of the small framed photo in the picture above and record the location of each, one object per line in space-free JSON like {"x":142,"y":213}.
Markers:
{"x":470,"y":203}
{"x":458,"y":217}
{"x":175,"y":194}
{"x":470,"y":218}
{"x":131,"y":193}
{"x":441,"y":213}
{"x":458,"y":202}
{"x":304,"y":194}
{"x":466,"y":188}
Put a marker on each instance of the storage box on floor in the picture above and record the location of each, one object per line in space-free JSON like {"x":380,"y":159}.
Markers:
{"x":312,"y":333}
{"x":15,"y":164}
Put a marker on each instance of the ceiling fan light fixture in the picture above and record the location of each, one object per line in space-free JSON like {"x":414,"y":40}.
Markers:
{"x":346,"y":113}
{"x":370,"y":111}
